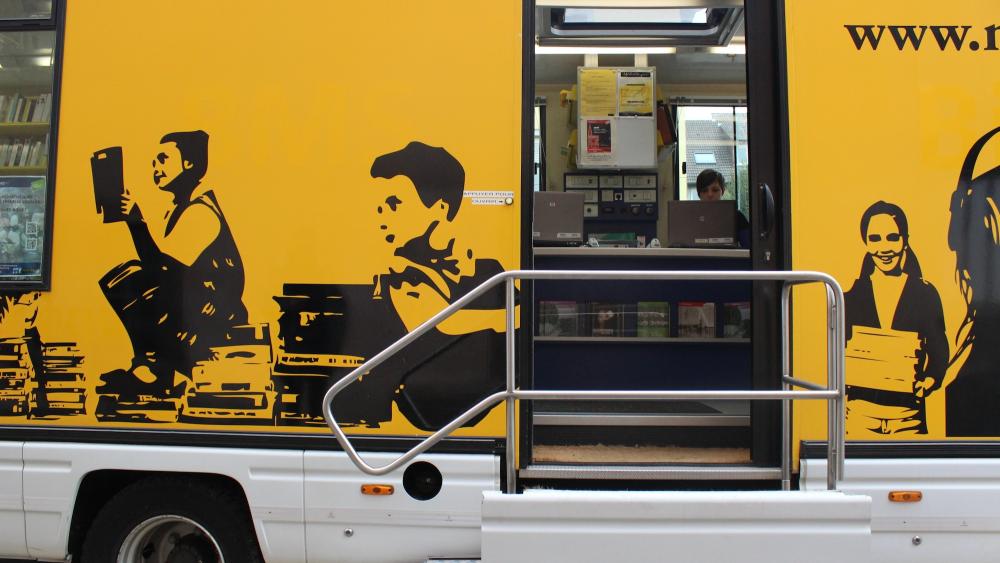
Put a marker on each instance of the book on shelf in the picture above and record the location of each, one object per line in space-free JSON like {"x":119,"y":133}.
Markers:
{"x":607,"y":319}
{"x":19,"y":108}
{"x":653,"y":319}
{"x":736,"y":320}
{"x":695,"y":319}
{"x":559,"y":318}
{"x":23,"y":152}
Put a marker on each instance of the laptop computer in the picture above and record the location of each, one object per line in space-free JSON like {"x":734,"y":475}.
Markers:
{"x":702,"y":224}
{"x":558,"y":219}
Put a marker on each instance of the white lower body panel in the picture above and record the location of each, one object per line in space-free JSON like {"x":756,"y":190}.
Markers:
{"x":958,"y":519}
{"x":694,"y":527}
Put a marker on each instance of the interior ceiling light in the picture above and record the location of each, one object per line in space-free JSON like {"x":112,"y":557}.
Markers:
{"x":731,"y":49}
{"x":559,"y":50}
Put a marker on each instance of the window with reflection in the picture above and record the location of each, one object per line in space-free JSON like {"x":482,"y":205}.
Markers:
{"x":28,"y":106}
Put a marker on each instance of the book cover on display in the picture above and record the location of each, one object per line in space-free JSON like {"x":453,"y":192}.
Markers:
{"x":607,"y":319}
{"x":695,"y":319}
{"x":559,"y":318}
{"x":736,"y":320}
{"x":653,"y":319}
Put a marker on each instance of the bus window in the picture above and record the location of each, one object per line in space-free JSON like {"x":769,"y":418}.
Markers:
{"x":27,"y":110}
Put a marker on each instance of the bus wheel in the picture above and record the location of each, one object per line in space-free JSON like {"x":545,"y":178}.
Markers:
{"x":172,"y":520}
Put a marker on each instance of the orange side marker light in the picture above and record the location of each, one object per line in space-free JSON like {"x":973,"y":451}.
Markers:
{"x":905,"y":496}
{"x":377,"y":490}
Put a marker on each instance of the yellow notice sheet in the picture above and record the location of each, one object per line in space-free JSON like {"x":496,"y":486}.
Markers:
{"x":635,"y":93}
{"x":597,"y":92}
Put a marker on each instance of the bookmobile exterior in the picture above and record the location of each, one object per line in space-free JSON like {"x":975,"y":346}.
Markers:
{"x":166,"y":360}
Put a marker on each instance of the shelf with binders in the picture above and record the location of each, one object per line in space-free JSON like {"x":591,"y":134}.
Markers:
{"x":25,"y":126}
{"x":24,"y":129}
{"x":23,"y":170}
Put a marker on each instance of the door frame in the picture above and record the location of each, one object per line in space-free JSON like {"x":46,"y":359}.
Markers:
{"x":769,"y":248}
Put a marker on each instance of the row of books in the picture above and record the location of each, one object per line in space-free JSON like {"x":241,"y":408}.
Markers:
{"x":644,"y":319}
{"x":24,"y":151}
{"x":18,"y":108}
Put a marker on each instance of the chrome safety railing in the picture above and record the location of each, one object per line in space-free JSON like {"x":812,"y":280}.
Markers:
{"x":833,"y":392}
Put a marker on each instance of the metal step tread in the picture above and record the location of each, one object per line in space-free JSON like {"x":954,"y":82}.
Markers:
{"x":678,"y":472}
{"x":614,"y":419}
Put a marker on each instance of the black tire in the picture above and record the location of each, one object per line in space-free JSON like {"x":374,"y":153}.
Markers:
{"x":218,"y":511}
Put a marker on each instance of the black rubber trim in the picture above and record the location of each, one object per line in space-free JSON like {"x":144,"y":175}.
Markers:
{"x":899,"y":450}
{"x":525,"y":335}
{"x":258,"y":440}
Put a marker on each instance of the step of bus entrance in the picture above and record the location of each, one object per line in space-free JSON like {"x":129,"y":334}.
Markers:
{"x":545,"y":472}
{"x":652,"y":526}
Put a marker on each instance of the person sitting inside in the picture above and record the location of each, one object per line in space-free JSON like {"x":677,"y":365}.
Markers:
{"x":711,"y":186}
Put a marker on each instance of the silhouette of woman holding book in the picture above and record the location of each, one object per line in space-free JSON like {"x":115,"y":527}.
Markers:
{"x":184,"y":293}
{"x":897,"y":348}
{"x":973,"y":398}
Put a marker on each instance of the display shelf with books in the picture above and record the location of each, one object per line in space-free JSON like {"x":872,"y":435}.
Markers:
{"x":643,"y":334}
{"x":24,"y":132}
{"x":642,"y":340}
{"x":695,"y":322}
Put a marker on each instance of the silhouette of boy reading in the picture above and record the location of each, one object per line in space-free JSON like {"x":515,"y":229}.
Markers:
{"x":185,"y":291}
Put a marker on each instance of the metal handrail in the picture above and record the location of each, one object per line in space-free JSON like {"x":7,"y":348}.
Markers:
{"x":833,"y":392}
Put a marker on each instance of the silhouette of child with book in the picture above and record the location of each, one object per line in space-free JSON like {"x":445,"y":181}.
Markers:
{"x":184,"y":293}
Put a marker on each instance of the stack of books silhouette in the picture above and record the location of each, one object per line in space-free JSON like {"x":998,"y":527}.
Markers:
{"x":17,"y":376}
{"x":882,"y":359}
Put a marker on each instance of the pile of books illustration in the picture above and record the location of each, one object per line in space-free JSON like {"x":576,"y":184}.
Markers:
{"x":17,"y":377}
{"x":882,"y":359}
{"x":61,"y":390}
{"x":236,"y":384}
{"x":644,"y":319}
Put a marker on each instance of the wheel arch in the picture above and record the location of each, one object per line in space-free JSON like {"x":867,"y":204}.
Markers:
{"x":98,"y":487}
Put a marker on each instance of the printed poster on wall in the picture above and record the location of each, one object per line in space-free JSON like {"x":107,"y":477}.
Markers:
{"x":599,"y":146}
{"x":22,"y":227}
{"x":597,"y":92}
{"x":635,"y":93}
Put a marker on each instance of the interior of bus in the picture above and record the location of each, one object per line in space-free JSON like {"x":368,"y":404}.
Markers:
{"x":640,"y":123}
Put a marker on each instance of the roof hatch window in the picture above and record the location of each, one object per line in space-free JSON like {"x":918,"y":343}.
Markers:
{"x":636,"y":16}
{"x":647,"y":26}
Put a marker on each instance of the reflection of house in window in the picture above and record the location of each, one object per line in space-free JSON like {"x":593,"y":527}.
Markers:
{"x":709,"y":145}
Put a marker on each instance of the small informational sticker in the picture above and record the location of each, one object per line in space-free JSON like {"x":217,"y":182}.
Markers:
{"x":489,"y":197}
{"x":569,"y":235}
{"x":720,"y":240}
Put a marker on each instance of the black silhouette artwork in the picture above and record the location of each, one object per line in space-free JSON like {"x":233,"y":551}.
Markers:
{"x":37,"y":379}
{"x":897,"y":351}
{"x":462,"y":360}
{"x":974,"y":235}
{"x":328,"y":330}
{"x":196,"y":358}
{"x":182,"y":297}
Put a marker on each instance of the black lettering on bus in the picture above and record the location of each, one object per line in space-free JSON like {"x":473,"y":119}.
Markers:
{"x":950,"y":35}
{"x":863,"y":33}
{"x":991,"y":38}
{"x":908,"y":35}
